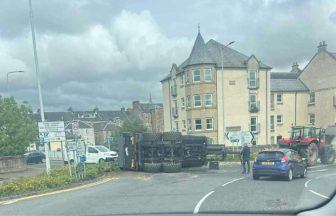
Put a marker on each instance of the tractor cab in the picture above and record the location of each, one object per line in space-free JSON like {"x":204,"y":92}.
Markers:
{"x":305,"y":134}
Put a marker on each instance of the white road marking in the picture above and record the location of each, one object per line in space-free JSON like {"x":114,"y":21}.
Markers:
{"x":321,"y":170}
{"x":232,"y":181}
{"x":198,"y":206}
{"x":318,"y":194}
{"x":306,"y":184}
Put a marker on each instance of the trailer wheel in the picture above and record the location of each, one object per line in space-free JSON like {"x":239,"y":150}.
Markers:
{"x":172,"y":136}
{"x":328,"y":158}
{"x":311,"y":154}
{"x":171,"y":167}
{"x":152,"y":167}
{"x":152,"y":137}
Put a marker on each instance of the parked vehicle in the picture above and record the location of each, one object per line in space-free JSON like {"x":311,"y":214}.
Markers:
{"x":282,"y":162}
{"x":34,"y":157}
{"x":94,"y":154}
{"x":311,"y":143}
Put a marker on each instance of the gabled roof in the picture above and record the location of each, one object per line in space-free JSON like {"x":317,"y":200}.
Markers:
{"x":105,"y":126}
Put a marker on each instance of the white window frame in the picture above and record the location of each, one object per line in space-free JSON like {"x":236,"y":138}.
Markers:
{"x":188,"y":101}
{"x":281,"y":96}
{"x":277,"y":122}
{"x":208,"y":72}
{"x":206,"y":124}
{"x":198,"y":124}
{"x":255,"y":78}
{"x":310,"y":98}
{"x":197,"y":81}
{"x":200,"y":100}
{"x":256,"y":123}
{"x":189,"y":125}
{"x":272,"y":125}
{"x":205,"y":100}
{"x":255,"y":103}
{"x":310,"y":118}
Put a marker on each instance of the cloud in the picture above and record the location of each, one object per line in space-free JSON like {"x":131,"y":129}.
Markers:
{"x":108,"y":53}
{"x":104,"y":66}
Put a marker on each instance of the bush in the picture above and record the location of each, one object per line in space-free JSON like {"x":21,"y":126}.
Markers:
{"x":58,"y":178}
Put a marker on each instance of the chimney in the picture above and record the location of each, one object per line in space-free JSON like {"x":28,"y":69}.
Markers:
{"x":322,"y":46}
{"x":295,"y":67}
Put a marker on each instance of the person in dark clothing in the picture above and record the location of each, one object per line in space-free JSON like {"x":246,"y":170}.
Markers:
{"x":245,"y":157}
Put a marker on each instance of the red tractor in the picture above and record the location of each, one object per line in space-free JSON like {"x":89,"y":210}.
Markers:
{"x":311,"y":143}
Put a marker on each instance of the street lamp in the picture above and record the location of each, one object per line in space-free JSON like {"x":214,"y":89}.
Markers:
{"x":37,"y":70}
{"x":222,"y":57}
{"x":11,"y":72}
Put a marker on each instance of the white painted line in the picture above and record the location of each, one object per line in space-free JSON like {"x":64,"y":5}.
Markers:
{"x":321,"y":170}
{"x":306,"y":184}
{"x":198,"y":206}
{"x":232,"y":181}
{"x":318,"y":194}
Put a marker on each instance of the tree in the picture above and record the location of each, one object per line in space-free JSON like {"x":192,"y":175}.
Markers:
{"x":96,"y":109}
{"x":136,"y":126}
{"x":70,"y":109}
{"x":17,"y":127}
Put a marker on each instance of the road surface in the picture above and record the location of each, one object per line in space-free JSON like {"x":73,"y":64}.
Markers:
{"x":194,"y":190}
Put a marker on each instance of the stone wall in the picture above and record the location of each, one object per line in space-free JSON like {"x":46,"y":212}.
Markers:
{"x":12,"y":163}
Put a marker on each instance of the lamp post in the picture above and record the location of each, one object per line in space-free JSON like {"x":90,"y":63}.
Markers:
{"x":222,"y":57}
{"x":37,"y":69}
{"x":11,"y":72}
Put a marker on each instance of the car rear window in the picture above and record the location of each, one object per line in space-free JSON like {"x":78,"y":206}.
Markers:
{"x":274,"y":155}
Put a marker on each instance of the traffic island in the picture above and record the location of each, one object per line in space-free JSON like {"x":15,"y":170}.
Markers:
{"x":57,"y":179}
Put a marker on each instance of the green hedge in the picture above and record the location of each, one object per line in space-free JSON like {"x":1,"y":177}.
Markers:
{"x":58,"y":178}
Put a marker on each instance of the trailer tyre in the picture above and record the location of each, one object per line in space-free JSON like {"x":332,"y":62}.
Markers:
{"x":171,"y":167}
{"x":172,"y":136}
{"x":151,"y":137}
{"x":152,"y":167}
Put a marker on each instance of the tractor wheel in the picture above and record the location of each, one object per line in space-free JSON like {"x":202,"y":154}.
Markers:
{"x":172,"y":136}
{"x":328,"y":158}
{"x":311,"y":154}
{"x":171,"y":167}
{"x":151,"y":137}
{"x":152,"y":167}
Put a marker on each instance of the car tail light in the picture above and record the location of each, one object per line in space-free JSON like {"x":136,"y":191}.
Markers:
{"x":284,"y":159}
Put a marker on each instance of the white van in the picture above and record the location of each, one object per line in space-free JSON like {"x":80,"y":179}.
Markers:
{"x":95,"y":154}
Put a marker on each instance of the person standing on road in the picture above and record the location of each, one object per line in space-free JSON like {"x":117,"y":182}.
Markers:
{"x":245,"y":157}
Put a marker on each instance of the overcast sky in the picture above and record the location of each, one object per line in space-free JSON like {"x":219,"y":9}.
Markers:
{"x":109,"y":53}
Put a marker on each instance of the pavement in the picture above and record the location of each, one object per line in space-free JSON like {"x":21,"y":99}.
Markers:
{"x":32,"y":170}
{"x":194,"y":190}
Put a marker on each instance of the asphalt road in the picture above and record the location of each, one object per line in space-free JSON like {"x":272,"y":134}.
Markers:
{"x":194,"y":190}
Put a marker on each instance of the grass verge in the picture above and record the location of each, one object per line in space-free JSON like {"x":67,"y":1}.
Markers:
{"x":58,"y":178}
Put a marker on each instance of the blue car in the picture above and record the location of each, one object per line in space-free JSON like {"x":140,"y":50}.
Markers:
{"x":281,"y":162}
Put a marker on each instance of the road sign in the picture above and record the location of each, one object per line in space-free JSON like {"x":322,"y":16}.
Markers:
{"x":51,"y":131}
{"x":246,"y":137}
{"x":240,"y":137}
{"x":57,"y":126}
{"x":75,"y":128}
{"x":71,"y":145}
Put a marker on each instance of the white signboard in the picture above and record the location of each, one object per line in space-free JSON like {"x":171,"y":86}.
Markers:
{"x":52,"y":131}
{"x":71,"y":146}
{"x":241,"y":137}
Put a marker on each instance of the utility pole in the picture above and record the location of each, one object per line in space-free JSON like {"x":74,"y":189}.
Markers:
{"x":222,"y":56}
{"x":37,"y":69}
{"x":11,"y":72}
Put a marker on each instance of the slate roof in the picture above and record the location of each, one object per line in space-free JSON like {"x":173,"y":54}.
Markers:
{"x":210,"y":53}
{"x":281,"y":75}
{"x":148,"y":107}
{"x":288,"y":85}
{"x":77,"y":115}
{"x":105,"y":126}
